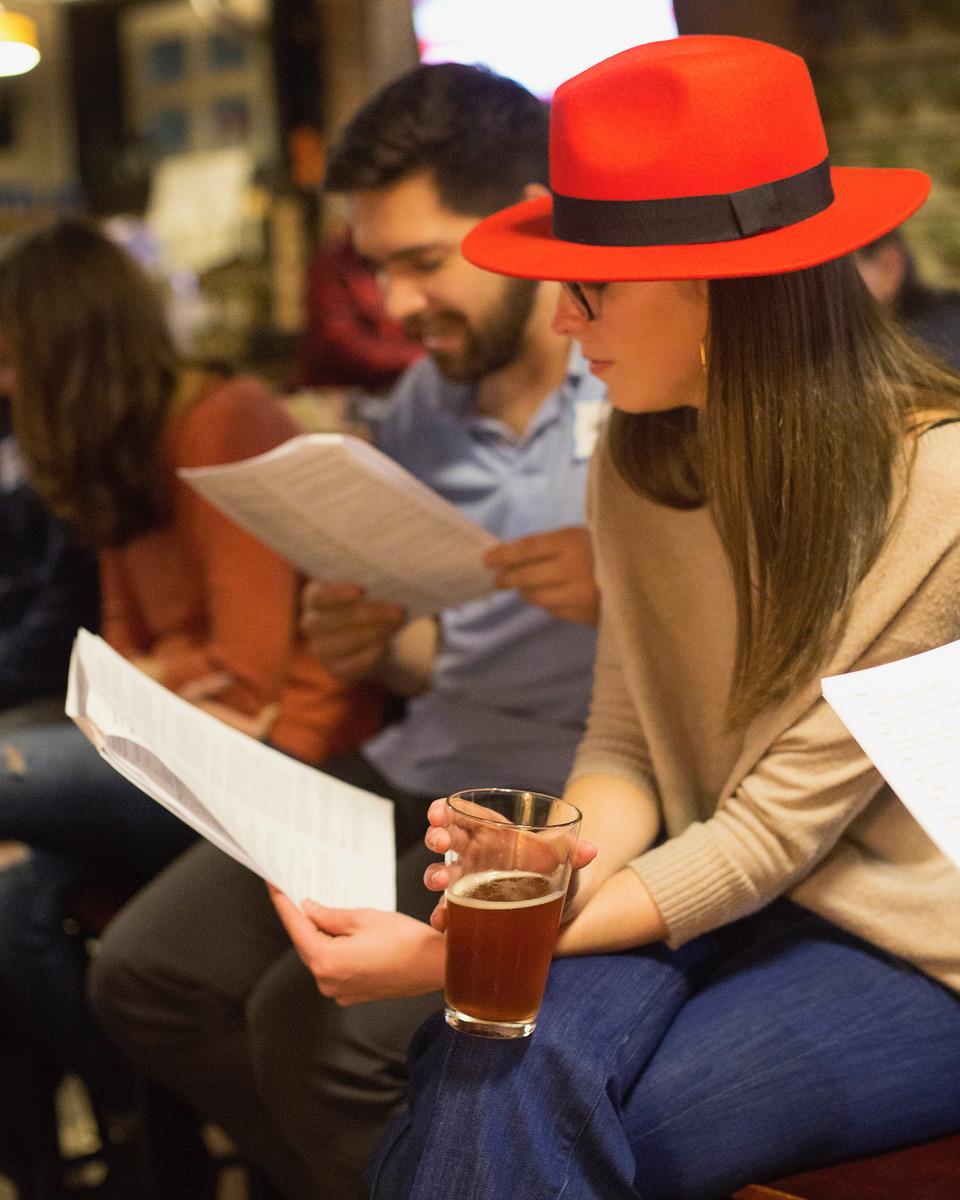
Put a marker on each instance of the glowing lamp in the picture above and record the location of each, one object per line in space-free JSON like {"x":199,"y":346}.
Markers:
{"x":19,"y":44}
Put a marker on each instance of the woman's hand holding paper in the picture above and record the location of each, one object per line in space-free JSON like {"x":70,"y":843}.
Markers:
{"x":362,"y":954}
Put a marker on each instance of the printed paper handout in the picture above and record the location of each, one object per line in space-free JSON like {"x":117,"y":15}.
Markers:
{"x":310,"y":834}
{"x":906,"y":717}
{"x":340,"y":510}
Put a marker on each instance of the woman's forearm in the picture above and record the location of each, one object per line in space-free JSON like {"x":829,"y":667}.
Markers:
{"x":620,"y":819}
{"x":618,"y":915}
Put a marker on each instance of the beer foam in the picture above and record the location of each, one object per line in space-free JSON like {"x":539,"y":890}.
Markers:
{"x":493,"y":881}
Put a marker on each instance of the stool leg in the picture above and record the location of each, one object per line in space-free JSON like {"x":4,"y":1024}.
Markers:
{"x":259,"y":1187}
{"x":29,"y":1146}
{"x":175,"y":1160}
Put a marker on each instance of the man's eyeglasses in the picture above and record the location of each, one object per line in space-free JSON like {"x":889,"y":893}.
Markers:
{"x":578,"y":294}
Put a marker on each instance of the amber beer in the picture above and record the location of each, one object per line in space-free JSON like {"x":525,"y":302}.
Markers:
{"x":501,"y":930}
{"x":508,"y":866}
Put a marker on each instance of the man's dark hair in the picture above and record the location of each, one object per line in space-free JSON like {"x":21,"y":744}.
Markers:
{"x":481,"y":136}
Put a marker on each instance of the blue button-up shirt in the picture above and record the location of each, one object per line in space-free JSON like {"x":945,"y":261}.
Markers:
{"x":510,"y":688}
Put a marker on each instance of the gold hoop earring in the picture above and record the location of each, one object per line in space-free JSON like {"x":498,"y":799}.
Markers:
{"x":703,"y":357}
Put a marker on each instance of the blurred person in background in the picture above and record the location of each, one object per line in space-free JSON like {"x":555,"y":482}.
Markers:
{"x":889,"y":270}
{"x":48,"y":588}
{"x":349,"y":340}
{"x":104,"y":413}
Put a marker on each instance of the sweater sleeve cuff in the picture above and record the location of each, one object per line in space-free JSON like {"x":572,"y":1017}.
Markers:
{"x":694,"y":884}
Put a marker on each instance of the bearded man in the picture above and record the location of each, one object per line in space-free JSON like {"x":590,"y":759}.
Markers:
{"x":197,"y":980}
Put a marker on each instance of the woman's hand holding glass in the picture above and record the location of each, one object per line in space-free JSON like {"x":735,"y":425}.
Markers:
{"x":607,"y":907}
{"x":440,"y":838}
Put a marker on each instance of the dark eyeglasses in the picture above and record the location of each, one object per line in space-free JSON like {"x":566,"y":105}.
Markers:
{"x":578,"y":294}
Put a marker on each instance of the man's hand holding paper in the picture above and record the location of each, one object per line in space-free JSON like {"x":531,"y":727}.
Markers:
{"x":553,"y":570}
{"x":350,"y":634}
{"x":339,"y":509}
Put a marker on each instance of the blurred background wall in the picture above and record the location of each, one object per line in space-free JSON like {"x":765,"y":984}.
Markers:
{"x":203,"y":124}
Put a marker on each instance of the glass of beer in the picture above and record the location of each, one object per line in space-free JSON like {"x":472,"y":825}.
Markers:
{"x":509,"y":866}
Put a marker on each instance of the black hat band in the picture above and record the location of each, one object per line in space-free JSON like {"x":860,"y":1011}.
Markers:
{"x":686,"y":220}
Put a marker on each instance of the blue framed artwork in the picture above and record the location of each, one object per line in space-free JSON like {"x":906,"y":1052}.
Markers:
{"x":225,"y":53}
{"x":167,"y":131}
{"x":165,"y":60}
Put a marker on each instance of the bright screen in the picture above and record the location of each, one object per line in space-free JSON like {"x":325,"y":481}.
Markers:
{"x":540,"y":43}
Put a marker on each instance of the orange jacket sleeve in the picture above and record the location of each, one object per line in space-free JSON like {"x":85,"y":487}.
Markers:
{"x":251,"y":592}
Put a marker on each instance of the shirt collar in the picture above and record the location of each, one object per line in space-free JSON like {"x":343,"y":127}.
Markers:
{"x":577,"y":384}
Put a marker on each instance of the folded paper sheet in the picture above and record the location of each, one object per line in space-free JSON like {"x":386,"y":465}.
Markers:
{"x":308,"y":833}
{"x":340,"y":510}
{"x":906,"y":717}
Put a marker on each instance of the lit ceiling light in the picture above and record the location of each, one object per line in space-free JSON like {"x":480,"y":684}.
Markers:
{"x":19,"y":44}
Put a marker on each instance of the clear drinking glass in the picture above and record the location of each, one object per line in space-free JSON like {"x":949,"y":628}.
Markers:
{"x":509,"y":866}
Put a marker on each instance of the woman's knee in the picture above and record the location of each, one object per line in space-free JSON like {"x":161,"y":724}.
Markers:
{"x":600,"y":1013}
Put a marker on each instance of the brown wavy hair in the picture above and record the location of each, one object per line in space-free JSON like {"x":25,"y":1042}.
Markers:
{"x":811,"y":393}
{"x":96,"y":374}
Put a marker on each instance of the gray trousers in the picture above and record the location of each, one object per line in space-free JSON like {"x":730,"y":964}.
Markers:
{"x":197,"y":982}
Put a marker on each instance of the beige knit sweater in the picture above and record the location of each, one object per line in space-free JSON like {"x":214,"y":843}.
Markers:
{"x":790,"y":805}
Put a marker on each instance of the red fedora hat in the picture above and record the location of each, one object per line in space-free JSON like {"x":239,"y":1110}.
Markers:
{"x":696,"y":158}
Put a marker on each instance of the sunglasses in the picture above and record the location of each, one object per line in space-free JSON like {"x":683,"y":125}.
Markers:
{"x":578,"y":294}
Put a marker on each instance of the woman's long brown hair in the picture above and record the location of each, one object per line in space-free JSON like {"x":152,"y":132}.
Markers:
{"x":811,"y":393}
{"x":95,"y":376}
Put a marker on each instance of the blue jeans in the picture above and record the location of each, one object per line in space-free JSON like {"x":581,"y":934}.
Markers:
{"x":777,"y":1043}
{"x":68,"y":799}
{"x":84,"y":823}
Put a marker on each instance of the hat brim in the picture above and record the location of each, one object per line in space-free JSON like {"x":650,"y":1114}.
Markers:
{"x":868,"y":202}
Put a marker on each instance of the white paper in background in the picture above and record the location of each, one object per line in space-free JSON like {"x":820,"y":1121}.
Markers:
{"x":906,"y":717}
{"x":313,"y":836}
{"x":340,"y":510}
{"x":199,"y":207}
